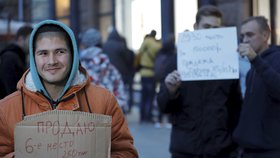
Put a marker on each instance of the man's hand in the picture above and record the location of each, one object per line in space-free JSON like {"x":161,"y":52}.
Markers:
{"x":10,"y":155}
{"x":245,"y":49}
{"x":173,"y":82}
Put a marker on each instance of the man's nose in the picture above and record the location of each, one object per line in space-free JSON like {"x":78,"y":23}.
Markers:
{"x":245,"y":39}
{"x":52,"y":58}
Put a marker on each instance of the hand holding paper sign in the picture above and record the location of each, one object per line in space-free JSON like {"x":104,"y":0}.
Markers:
{"x":10,"y":155}
{"x":205,"y":108}
{"x":173,"y":82}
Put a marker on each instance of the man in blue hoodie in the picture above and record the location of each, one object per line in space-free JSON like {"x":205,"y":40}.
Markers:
{"x":258,"y":131}
{"x":56,"y":81}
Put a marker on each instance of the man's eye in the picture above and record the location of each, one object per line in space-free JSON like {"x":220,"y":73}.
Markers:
{"x":61,"y":52}
{"x":42,"y":53}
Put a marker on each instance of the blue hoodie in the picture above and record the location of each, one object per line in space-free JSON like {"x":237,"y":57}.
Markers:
{"x":33,"y":69}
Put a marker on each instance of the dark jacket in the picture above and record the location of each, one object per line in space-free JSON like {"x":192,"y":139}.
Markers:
{"x":259,"y":126}
{"x":203,"y":115}
{"x":120,"y":56}
{"x":12,"y":67}
{"x":163,"y":56}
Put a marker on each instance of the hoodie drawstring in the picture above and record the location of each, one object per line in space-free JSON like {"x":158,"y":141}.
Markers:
{"x":55,"y":103}
{"x":89,"y":109}
{"x":22,"y":104}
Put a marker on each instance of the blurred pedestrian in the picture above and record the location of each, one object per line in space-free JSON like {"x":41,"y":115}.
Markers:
{"x":122,"y":58}
{"x":203,"y":113}
{"x":162,"y":58}
{"x":258,"y":129}
{"x":99,"y":67}
{"x":148,"y":50}
{"x":13,"y":61}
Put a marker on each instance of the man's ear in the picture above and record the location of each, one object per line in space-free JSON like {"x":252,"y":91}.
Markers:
{"x":266,"y":35}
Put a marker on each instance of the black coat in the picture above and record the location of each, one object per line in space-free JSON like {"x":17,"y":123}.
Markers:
{"x":12,"y":67}
{"x":203,"y":115}
{"x":259,"y":126}
{"x":120,"y":56}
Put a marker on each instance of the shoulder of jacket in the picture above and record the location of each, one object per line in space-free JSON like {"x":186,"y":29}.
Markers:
{"x":97,"y":90}
{"x":11,"y":97}
{"x":11,"y":102}
{"x":101,"y":97}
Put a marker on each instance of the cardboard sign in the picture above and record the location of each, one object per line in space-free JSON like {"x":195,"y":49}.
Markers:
{"x":63,"y":134}
{"x":208,"y":54}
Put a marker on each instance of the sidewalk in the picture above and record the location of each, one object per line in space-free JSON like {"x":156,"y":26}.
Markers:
{"x":150,"y":142}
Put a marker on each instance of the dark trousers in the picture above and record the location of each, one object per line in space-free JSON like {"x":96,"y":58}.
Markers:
{"x":130,"y":90}
{"x":147,"y":97}
{"x":128,"y":80}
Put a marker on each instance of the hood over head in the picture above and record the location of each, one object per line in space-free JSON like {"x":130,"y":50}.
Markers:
{"x":75,"y":58}
{"x":114,"y":35}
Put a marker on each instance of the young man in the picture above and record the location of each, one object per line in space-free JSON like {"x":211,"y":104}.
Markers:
{"x":55,"y":81}
{"x":13,"y":61}
{"x":258,"y":130}
{"x":203,"y":113}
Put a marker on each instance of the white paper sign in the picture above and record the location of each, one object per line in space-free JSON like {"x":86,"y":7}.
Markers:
{"x":208,"y":54}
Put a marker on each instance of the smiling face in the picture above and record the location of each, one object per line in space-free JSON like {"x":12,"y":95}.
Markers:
{"x":53,"y":59}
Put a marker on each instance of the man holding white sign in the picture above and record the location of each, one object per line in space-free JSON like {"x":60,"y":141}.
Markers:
{"x":56,"y":81}
{"x":204,"y":112}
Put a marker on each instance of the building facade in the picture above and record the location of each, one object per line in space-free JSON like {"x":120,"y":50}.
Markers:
{"x":104,"y":14}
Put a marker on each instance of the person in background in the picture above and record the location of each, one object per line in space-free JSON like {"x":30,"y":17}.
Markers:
{"x":56,"y":81}
{"x":203,"y":113}
{"x":257,"y":132}
{"x":148,"y":50}
{"x":99,"y":67}
{"x":162,"y":58}
{"x":122,"y":58}
{"x":13,"y":61}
